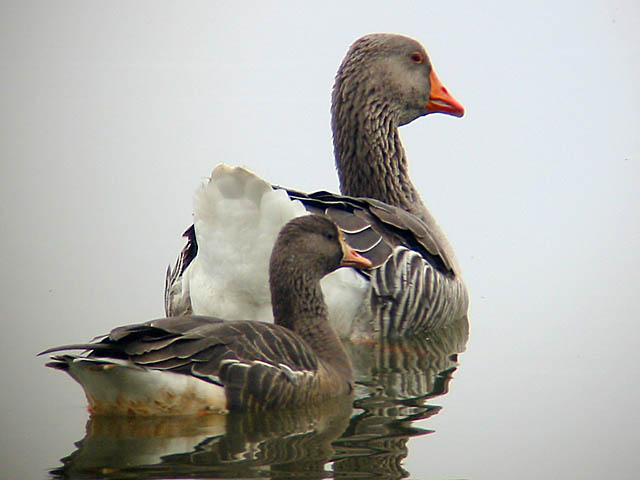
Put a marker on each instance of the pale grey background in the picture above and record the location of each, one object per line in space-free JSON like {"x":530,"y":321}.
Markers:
{"x":112,"y":112}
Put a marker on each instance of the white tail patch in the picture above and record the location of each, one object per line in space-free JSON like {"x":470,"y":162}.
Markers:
{"x":118,"y":387}
{"x":237,"y":217}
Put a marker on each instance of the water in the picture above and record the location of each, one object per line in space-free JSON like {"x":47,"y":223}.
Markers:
{"x":513,"y":401}
{"x":112,"y":118}
{"x":364,"y":435}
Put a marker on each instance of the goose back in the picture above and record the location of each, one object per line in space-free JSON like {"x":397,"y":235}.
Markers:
{"x":258,"y":365}
{"x":415,"y":282}
{"x":414,"y":285}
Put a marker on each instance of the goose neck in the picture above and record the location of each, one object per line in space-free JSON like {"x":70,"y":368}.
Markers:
{"x":370,"y":158}
{"x":298,"y":304}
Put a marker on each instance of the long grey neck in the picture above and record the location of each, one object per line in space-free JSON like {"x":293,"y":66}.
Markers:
{"x":370,"y":159}
{"x":298,"y":304}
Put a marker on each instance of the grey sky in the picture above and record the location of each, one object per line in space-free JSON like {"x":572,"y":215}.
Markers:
{"x":113,"y":112}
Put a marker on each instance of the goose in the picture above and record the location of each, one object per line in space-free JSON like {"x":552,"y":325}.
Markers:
{"x":385,"y":81}
{"x":191,"y":364}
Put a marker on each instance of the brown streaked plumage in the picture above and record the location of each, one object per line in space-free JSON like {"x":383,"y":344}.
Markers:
{"x":182,"y":365}
{"x":385,"y":81}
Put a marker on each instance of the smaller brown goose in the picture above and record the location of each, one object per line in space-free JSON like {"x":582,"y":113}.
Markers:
{"x":190,"y":364}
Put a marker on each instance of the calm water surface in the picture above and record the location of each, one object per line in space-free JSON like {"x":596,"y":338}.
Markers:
{"x":542,"y":384}
{"x":368,"y":435}
{"x":112,"y":117}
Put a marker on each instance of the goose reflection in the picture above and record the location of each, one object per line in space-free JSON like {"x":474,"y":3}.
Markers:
{"x":395,"y":380}
{"x":364,"y":434}
{"x":207,"y":445}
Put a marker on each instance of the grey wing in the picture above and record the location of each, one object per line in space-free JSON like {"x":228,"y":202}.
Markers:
{"x":264,"y":365}
{"x":177,"y":301}
{"x":257,"y":363}
{"x":415,"y":280}
{"x":374,"y":228}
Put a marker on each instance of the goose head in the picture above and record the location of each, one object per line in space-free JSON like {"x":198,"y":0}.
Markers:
{"x":307,"y":249}
{"x":393,"y":71}
{"x":311,"y":247}
{"x":384,"y":81}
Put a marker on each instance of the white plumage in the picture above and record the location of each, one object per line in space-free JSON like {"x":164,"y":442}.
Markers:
{"x":237,"y":216}
{"x":120,"y":387}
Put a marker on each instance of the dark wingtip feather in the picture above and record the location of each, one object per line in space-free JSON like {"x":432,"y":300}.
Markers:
{"x":64,"y":366}
{"x":77,"y":346}
{"x":60,"y":362}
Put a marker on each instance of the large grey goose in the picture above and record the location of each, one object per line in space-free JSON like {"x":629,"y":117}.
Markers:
{"x":384,"y":81}
{"x":191,"y":364}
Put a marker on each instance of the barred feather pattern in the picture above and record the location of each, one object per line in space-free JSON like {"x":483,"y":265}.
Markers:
{"x":415,"y":285}
{"x":415,"y":281}
{"x":176,"y":301}
{"x":409,"y":295}
{"x":260,"y":365}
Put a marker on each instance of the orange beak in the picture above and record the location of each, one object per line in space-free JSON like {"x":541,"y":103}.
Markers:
{"x":351,"y":258}
{"x":440,"y":100}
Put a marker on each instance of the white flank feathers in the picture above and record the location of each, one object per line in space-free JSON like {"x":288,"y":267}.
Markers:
{"x":120,"y":387}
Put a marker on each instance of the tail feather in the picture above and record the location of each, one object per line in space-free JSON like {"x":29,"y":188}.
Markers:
{"x":237,"y":217}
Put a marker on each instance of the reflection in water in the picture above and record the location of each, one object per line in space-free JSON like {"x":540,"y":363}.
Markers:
{"x":208,"y":445}
{"x":395,"y":380}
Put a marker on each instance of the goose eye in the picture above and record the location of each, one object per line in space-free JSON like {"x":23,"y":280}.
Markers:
{"x":416,"y":57}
